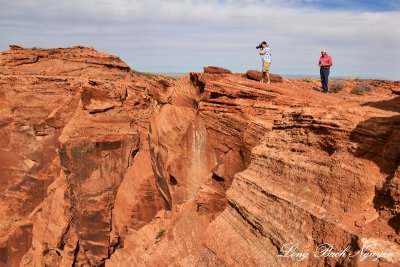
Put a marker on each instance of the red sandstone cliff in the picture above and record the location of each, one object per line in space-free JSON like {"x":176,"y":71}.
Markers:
{"x":99,"y":164}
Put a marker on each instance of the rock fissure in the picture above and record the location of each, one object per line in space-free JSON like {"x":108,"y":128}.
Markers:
{"x":227,"y":168}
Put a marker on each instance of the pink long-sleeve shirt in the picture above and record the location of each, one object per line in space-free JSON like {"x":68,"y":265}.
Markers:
{"x":327,"y":60}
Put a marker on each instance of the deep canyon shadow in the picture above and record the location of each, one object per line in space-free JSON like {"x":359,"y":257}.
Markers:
{"x":378,"y":140}
{"x":389,"y":105}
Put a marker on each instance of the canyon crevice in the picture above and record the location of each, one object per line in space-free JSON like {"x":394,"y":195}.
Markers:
{"x":103,"y":165}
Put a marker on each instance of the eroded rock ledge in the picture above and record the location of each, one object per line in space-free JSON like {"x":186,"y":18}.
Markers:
{"x":103,"y":165}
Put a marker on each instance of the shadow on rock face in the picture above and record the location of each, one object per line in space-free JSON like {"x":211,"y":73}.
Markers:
{"x":389,"y":105}
{"x":378,"y":140}
{"x":394,"y":222}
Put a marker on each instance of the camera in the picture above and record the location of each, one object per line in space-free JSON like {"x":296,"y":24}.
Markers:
{"x":261,"y":44}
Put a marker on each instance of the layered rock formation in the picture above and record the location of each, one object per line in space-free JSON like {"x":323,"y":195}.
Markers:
{"x":73,"y":127}
{"x":103,"y":165}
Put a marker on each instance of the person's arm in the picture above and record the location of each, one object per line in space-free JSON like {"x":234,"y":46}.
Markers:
{"x":262,"y":51}
{"x":330,"y":62}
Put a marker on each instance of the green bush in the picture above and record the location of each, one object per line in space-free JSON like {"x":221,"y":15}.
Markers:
{"x":160,"y":233}
{"x":367,"y":87}
{"x":361,"y":88}
{"x":357,"y":90}
{"x":337,"y":86}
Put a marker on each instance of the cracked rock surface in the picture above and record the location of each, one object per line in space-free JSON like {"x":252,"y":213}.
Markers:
{"x":102,"y":165}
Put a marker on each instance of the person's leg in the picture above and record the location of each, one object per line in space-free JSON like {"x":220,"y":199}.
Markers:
{"x":325,"y":73}
{"x":263,"y":77}
{"x":321,"y":75}
{"x":262,"y":72}
{"x":327,"y":79}
{"x":266,"y":71}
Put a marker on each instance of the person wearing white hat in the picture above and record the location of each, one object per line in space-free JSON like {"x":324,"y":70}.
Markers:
{"x":325,"y":63}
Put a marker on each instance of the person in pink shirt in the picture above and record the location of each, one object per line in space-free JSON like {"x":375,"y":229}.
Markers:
{"x":325,"y":63}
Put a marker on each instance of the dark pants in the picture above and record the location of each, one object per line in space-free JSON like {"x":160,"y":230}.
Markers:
{"x":324,"y":79}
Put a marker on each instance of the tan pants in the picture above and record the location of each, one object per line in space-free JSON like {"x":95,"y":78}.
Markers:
{"x":265,"y":66}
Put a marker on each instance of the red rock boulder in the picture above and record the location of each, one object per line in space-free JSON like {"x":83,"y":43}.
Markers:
{"x":216,"y":70}
{"x":256,"y":75}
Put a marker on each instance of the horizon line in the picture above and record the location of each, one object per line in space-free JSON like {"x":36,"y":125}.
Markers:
{"x":293,"y":76}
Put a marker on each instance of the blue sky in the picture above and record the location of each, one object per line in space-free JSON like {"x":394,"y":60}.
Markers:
{"x":359,"y":5}
{"x":185,"y":35}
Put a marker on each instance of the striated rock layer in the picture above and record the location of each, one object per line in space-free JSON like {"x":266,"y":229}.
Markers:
{"x":74,"y":121}
{"x":101,"y":165}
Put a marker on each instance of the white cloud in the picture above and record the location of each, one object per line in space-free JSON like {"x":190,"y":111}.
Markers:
{"x":184,"y":35}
